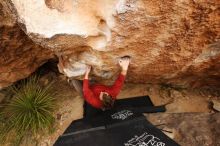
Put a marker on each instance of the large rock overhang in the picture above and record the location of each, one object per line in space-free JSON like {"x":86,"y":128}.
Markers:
{"x":169,"y":41}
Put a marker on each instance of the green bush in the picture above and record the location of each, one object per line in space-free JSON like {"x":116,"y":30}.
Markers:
{"x":30,"y":110}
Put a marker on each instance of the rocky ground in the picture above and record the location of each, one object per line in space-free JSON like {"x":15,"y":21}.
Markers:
{"x":189,"y":116}
{"x":195,"y":129}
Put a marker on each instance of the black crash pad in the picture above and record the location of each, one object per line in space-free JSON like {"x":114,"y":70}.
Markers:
{"x":130,"y":129}
{"x":141,"y":104}
{"x":124,"y":125}
{"x":110,"y":117}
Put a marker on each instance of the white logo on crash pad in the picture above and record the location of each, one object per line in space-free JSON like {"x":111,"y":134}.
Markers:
{"x":122,"y":115}
{"x":145,"y":139}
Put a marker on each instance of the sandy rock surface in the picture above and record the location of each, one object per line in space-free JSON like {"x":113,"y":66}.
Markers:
{"x":19,"y":55}
{"x":175,"y":42}
{"x":193,"y":129}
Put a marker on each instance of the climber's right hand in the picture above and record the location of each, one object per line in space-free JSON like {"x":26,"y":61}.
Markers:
{"x":124,"y":63}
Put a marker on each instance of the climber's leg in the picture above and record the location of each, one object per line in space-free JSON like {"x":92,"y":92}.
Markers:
{"x":78,"y":85}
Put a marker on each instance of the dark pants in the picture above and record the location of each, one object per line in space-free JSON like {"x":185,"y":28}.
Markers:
{"x":78,"y":85}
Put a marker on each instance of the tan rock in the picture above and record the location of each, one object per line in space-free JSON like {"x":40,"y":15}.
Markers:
{"x":19,"y":56}
{"x":216,"y":104}
{"x":193,"y":129}
{"x":176,"y":94}
{"x":2,"y":96}
{"x":175,"y":42}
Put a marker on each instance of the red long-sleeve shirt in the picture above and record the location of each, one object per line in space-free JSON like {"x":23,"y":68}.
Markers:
{"x":91,"y":93}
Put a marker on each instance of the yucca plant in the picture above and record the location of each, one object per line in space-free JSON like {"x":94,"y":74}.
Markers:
{"x":31,"y":108}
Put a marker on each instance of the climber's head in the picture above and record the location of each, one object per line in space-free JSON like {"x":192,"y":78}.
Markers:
{"x":107,"y":100}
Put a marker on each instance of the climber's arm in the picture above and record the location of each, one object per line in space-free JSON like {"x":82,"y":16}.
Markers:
{"x":116,"y":87}
{"x":89,"y":96}
{"x":88,"y":69}
{"x":87,"y":92}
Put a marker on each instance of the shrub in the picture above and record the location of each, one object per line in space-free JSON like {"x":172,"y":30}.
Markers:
{"x":30,"y":110}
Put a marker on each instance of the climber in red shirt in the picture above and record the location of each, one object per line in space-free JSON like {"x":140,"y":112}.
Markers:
{"x":101,"y":96}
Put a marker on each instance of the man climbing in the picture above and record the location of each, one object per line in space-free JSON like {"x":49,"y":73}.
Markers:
{"x":98,"y":96}
{"x":101,"y":96}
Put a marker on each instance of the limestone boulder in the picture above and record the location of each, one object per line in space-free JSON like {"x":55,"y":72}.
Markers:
{"x":19,"y":55}
{"x":172,"y":42}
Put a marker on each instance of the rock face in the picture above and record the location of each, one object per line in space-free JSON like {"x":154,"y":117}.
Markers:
{"x":19,"y":56}
{"x":172,"y":42}
{"x":190,"y":128}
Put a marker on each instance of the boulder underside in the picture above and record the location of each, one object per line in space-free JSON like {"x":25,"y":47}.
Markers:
{"x":170,"y":42}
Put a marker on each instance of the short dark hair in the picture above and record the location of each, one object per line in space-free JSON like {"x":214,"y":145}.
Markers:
{"x":107,"y":101}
